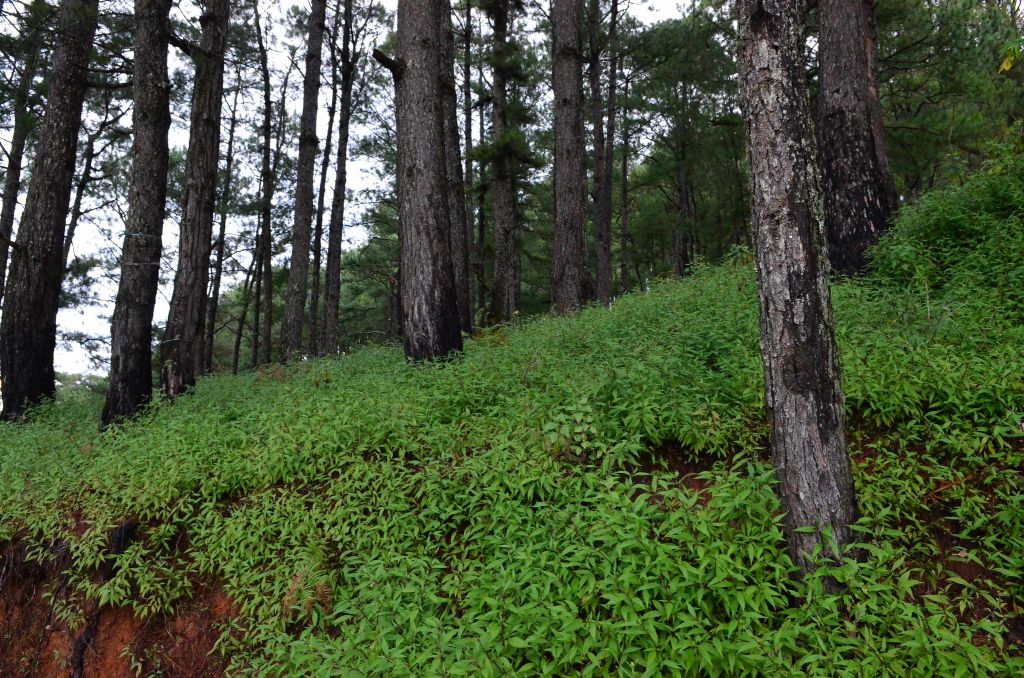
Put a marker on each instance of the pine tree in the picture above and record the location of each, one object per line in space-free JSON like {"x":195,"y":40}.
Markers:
{"x":803,"y":392}
{"x":28,"y":333}
{"x":131,"y":355}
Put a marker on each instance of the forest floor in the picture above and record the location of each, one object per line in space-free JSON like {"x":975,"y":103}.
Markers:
{"x":585,"y":496}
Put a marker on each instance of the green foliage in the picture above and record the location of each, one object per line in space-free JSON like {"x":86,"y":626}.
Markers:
{"x":488,"y":516}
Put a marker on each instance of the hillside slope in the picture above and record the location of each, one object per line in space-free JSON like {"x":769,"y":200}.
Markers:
{"x":585,"y":496}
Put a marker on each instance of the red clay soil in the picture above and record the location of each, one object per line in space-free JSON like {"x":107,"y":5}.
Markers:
{"x":33,"y":643}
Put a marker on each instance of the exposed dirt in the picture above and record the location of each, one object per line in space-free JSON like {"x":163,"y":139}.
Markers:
{"x":34,"y":643}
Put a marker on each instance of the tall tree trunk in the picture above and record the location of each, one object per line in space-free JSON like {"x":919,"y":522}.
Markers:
{"x":182,"y":348}
{"x":218,"y":266}
{"x":570,"y":181}
{"x":803,"y":393}
{"x":131,"y":330}
{"x":298,"y":274}
{"x":313,"y":345}
{"x":602,"y":177}
{"x":610,"y":120}
{"x":336,"y":227}
{"x":481,"y":204}
{"x":430,"y":315}
{"x":23,"y":124}
{"x":503,"y":292}
{"x":459,"y":228}
{"x":624,"y":199}
{"x":467,"y":123}
{"x":28,"y":333}
{"x":859,"y":193}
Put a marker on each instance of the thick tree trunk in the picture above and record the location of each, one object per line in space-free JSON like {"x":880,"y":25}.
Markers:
{"x":182,"y":348}
{"x":803,"y":393}
{"x":570,"y":181}
{"x":298,"y":274}
{"x":218,"y":266}
{"x":859,"y":193}
{"x":602,"y":176}
{"x":503,"y":290}
{"x":131,"y":347}
{"x":430,"y":315}
{"x":23,"y":124}
{"x":458,"y":223}
{"x":336,"y":227}
{"x":28,"y":333}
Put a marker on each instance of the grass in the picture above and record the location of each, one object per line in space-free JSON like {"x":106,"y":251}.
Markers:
{"x":501,"y":514}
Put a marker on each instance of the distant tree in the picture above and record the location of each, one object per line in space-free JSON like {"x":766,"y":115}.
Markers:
{"x":350,"y":58}
{"x":460,"y":227}
{"x":430,"y":315}
{"x":570,"y":182}
{"x":859,"y":192}
{"x":181,"y":354}
{"x":505,"y":286}
{"x":131,"y":355}
{"x":29,"y":326}
{"x":298,"y":275}
{"x":803,"y":391}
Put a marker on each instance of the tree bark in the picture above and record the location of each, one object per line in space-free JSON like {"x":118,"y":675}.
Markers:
{"x":298,"y":274}
{"x":23,"y":124}
{"x":624,"y":199}
{"x":28,"y":333}
{"x":610,"y":120}
{"x":459,"y":226}
{"x":336,"y":227}
{"x":131,"y":330}
{"x":314,"y":334}
{"x":860,"y":196}
{"x":570,"y":180}
{"x":803,"y":392}
{"x":182,"y":348}
{"x":467,"y":123}
{"x":430,"y":315}
{"x":218,"y":266}
{"x":503,"y":290}
{"x":602,"y":176}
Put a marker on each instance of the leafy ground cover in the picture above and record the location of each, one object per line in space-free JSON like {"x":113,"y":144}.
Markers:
{"x":571,"y":497}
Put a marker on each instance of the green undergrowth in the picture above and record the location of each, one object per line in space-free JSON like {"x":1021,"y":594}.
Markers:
{"x":499,"y":515}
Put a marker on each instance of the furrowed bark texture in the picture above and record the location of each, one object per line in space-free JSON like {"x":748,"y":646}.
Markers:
{"x":182,"y":349}
{"x":298,"y":275}
{"x":859,"y":193}
{"x":430,"y":315}
{"x":28,"y":334}
{"x":336,"y":226}
{"x":570,"y":180}
{"x":131,"y":353}
{"x":23,"y":124}
{"x":458,"y":224}
{"x":503,"y":290}
{"x":803,"y":392}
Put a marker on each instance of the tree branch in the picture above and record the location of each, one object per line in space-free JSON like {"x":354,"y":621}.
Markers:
{"x":396,"y":66}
